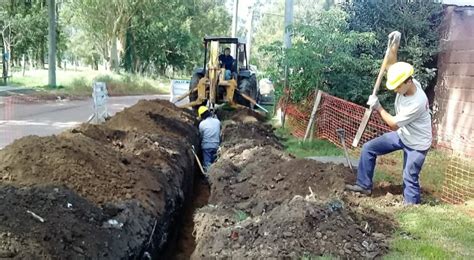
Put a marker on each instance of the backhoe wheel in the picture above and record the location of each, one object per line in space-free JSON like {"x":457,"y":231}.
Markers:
{"x":245,"y":87}
{"x":248,"y":86}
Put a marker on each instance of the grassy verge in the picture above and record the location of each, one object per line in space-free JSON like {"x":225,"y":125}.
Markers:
{"x":437,"y":231}
{"x":389,"y":168}
{"x":302,"y":149}
{"x":80,"y":82}
{"x":434,"y":232}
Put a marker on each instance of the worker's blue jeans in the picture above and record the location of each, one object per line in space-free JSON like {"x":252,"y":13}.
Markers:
{"x":412,"y":162}
{"x":227,"y":75}
{"x":208,"y":157}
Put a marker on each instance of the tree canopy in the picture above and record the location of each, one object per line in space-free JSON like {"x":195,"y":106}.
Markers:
{"x":339,"y":49}
{"x":140,"y":36}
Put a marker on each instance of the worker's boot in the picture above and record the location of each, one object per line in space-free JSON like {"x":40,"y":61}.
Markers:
{"x":358,"y":189}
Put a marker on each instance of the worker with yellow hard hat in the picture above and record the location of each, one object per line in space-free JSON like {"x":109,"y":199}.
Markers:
{"x":411,"y":133}
{"x":209,"y":130}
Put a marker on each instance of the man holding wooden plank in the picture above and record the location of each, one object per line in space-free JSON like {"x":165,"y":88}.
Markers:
{"x":411,"y":133}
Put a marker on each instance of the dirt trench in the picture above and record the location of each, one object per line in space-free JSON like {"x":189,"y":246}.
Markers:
{"x":111,"y":191}
{"x":128,"y":189}
{"x":266,"y":204}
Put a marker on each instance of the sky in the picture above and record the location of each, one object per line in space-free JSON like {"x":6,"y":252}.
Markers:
{"x":243,"y":7}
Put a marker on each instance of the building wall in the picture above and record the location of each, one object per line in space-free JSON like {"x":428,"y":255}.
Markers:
{"x":454,"y":92}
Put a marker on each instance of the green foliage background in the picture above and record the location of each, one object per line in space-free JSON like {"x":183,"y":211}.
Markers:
{"x":335,"y":48}
{"x":340,"y":51}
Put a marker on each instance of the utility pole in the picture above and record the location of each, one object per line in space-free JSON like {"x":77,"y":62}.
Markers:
{"x":249,"y":32}
{"x":288,"y":22}
{"x":287,"y":42}
{"x":235,"y":18}
{"x":52,"y":43}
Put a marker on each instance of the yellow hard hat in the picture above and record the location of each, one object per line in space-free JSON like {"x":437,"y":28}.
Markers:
{"x":398,"y":73}
{"x":201,"y":110}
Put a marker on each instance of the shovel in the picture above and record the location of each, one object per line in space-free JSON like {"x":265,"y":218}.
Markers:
{"x":342,"y":137}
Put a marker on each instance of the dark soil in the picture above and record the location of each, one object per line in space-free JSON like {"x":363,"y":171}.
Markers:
{"x":139,"y":164}
{"x":264,"y":204}
{"x":184,"y":244}
{"x":73,"y":227}
{"x":257,"y":134}
{"x":241,"y":115}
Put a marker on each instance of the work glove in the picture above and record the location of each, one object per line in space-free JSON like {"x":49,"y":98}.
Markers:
{"x":374,"y":102}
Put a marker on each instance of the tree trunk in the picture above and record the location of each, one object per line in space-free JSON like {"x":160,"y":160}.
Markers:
{"x":23,"y":64}
{"x":41,"y":63}
{"x":114,"y":59}
{"x":4,"y":67}
{"x":30,"y":60}
{"x":129,"y":56}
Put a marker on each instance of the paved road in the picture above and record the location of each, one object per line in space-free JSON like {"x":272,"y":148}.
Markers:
{"x":18,"y":120}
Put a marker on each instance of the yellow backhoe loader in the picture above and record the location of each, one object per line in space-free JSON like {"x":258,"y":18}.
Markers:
{"x":208,"y":85}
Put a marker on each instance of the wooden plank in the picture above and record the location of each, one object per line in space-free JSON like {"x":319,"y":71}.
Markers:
{"x":317,"y":100}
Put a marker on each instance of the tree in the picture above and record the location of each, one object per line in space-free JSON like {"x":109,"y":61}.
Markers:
{"x":150,"y":36}
{"x":269,"y":24}
{"x":105,"y":23}
{"x":418,"y":21}
{"x":324,"y":56}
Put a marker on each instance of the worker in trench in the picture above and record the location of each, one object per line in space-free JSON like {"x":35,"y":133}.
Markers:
{"x":209,"y":130}
{"x":411,"y":133}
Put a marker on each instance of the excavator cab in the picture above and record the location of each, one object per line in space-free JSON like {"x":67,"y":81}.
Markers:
{"x":210,"y":87}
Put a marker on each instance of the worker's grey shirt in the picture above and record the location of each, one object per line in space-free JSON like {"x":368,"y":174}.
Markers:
{"x":210,"y":129}
{"x":413,"y":119}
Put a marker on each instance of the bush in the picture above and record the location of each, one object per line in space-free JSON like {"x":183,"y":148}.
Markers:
{"x":418,"y":21}
{"x":341,"y":52}
{"x":80,"y":85}
{"x":325,"y":56}
{"x":128,"y":84}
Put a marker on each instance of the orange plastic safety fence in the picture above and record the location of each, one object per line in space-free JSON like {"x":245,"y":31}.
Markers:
{"x":459,"y":180}
{"x":334,"y":113}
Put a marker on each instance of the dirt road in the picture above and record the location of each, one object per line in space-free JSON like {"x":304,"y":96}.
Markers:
{"x":18,"y":120}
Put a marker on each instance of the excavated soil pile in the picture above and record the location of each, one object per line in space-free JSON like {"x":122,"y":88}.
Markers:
{"x":243,"y":115}
{"x":264,"y":204}
{"x":107,"y":191}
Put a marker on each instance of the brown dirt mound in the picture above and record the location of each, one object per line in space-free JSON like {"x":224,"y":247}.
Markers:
{"x":260,"y":134}
{"x":139,"y":164}
{"x":156,"y":116}
{"x":256,"y":188}
{"x":267,"y":205}
{"x":298,"y":228}
{"x":242,"y":115}
{"x":95,"y":171}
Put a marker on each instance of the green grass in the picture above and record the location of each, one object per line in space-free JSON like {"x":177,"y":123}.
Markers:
{"x":434,"y":232}
{"x":80,"y":82}
{"x":438,"y":231}
{"x":302,"y":149}
{"x":389,"y":168}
